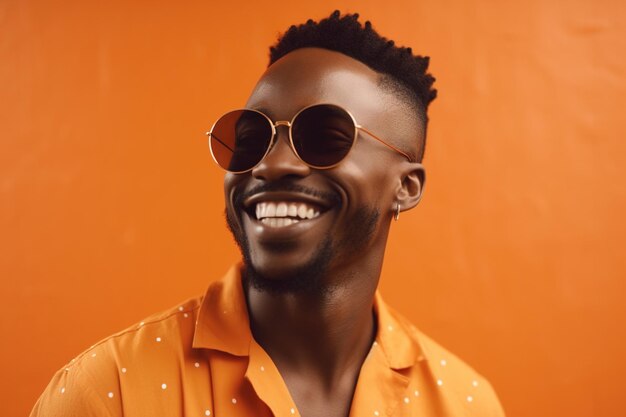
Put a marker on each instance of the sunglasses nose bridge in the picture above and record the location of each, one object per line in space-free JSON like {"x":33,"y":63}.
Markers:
{"x":278,"y":134}
{"x":281,"y":160}
{"x":282,"y":123}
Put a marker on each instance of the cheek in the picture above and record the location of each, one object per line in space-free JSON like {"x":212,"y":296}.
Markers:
{"x":232,"y":183}
{"x":371,"y":182}
{"x":233,"y":186}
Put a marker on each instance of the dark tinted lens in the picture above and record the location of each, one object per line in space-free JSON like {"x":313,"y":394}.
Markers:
{"x":239,"y":139}
{"x":323,"y":135}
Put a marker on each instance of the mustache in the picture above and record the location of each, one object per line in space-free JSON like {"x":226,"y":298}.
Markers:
{"x":332,"y":198}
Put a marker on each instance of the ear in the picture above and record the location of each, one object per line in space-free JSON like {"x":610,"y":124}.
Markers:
{"x":411,"y":186}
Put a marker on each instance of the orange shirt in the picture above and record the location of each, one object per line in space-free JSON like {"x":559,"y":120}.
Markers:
{"x":200,"y":359}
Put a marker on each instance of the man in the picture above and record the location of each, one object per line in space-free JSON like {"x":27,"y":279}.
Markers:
{"x":326,"y":152}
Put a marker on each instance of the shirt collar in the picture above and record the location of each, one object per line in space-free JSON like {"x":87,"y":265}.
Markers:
{"x":223,"y":324}
{"x":398,"y":339}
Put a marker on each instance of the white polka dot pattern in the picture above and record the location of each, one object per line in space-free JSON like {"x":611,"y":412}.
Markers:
{"x":161,"y":338}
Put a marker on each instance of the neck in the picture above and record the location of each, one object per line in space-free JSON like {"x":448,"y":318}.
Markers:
{"x":325,"y":336}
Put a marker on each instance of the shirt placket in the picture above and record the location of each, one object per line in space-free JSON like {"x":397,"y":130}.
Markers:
{"x":268,"y":383}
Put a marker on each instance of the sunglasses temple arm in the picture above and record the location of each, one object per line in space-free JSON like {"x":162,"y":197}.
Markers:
{"x":389,"y":145}
{"x":220,"y":141}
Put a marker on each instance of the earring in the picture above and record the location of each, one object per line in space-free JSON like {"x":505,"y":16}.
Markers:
{"x":396,"y":215}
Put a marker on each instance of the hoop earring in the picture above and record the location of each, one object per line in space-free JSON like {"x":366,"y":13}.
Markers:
{"x":396,"y":215}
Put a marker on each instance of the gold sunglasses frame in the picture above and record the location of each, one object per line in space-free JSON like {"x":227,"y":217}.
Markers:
{"x":289,"y":124}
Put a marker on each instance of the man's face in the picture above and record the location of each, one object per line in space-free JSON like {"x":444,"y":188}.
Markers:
{"x":343,"y":212}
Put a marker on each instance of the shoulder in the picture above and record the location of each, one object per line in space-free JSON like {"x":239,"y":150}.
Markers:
{"x":462,"y":389}
{"x":91,"y":383}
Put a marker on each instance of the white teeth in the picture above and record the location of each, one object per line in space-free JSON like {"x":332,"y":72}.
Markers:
{"x":278,"y":221}
{"x":282,"y":213}
{"x":270,"y":210}
{"x":281,"y":210}
{"x":302,"y":211}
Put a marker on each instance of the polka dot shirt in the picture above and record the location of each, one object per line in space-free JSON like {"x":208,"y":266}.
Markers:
{"x":200,"y":359}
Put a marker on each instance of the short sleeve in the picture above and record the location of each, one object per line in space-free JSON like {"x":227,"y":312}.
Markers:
{"x":86,"y":387}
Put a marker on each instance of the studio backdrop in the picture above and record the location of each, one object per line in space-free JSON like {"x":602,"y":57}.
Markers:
{"x":111,"y":208}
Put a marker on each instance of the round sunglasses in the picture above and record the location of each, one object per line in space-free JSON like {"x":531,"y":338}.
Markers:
{"x":321,"y":136}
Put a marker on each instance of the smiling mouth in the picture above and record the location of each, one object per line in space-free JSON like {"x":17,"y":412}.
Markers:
{"x":284,"y":213}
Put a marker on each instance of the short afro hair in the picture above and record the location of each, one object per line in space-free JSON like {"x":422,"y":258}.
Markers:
{"x":406,"y":74}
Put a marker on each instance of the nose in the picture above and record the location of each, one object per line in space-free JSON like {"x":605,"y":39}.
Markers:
{"x":280,"y":161}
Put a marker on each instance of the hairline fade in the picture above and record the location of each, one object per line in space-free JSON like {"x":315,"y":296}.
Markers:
{"x":402,"y":73}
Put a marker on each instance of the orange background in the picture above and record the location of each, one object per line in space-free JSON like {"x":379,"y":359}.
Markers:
{"x":111,"y":209}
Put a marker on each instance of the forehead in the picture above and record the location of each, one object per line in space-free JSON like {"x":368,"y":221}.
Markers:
{"x":313,"y":75}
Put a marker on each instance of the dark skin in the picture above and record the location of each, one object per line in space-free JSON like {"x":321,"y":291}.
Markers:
{"x":319,"y":340}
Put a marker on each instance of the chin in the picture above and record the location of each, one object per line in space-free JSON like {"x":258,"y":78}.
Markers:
{"x":281,"y":268}
{"x":278,"y":277}
{"x":274,"y":271}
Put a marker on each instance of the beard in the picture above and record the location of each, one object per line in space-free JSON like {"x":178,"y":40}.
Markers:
{"x":310,"y":278}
